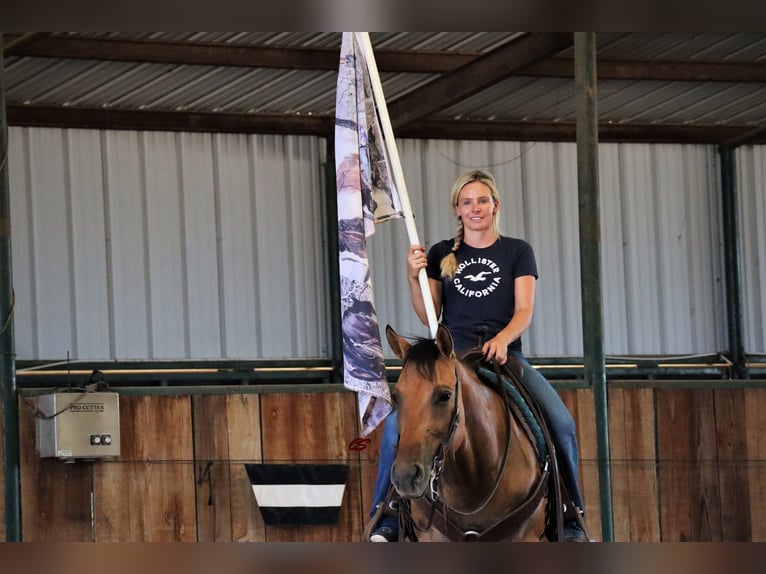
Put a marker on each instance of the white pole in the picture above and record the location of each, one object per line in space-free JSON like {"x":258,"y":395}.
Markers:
{"x":396,"y":168}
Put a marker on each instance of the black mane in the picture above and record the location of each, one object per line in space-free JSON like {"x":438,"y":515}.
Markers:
{"x":423,"y":354}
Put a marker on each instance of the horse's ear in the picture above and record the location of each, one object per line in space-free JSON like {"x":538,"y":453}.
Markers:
{"x":444,"y":341}
{"x":398,"y":343}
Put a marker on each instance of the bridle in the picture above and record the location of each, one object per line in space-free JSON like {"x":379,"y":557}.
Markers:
{"x":437,"y":464}
{"x":506,"y":526}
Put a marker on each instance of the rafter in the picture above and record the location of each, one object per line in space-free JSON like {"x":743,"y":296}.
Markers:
{"x":560,"y":131}
{"x":655,"y":70}
{"x":457,"y":76}
{"x":106,"y":118}
{"x":198,"y":54}
{"x":481,"y":73}
{"x":40,"y":44}
{"x":322,"y":126}
{"x":13,"y":43}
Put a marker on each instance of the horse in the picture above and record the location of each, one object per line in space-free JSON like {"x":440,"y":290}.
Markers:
{"x":465,"y":467}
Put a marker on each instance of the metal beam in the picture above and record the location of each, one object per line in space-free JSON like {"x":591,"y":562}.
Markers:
{"x":8,"y":390}
{"x":198,"y":54}
{"x":590,"y":260}
{"x":14,"y":44}
{"x":730,"y":220}
{"x":455,"y":86}
{"x":566,"y":131}
{"x":665,"y":71}
{"x":750,"y":137}
{"x":105,"y":118}
{"x":183,"y":390}
{"x":44,"y":45}
{"x":100,"y":118}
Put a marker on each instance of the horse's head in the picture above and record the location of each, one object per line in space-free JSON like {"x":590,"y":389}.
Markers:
{"x":426,"y":399}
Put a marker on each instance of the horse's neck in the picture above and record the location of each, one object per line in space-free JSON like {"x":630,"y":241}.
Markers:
{"x":481,"y":445}
{"x":481,"y":435}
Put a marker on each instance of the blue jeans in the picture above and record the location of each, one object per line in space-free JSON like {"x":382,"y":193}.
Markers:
{"x":388,"y":444}
{"x":560,"y":423}
{"x":558,"y":417}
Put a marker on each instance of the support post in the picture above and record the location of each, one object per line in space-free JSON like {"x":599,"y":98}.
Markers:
{"x":8,"y":390}
{"x":734,"y":324}
{"x":590,"y":259}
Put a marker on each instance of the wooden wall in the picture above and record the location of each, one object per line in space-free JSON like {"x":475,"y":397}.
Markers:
{"x":687,"y":464}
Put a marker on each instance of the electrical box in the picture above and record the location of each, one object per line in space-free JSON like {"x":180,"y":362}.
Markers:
{"x":72,"y":426}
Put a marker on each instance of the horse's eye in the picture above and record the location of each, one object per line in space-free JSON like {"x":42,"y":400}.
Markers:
{"x":443,"y":397}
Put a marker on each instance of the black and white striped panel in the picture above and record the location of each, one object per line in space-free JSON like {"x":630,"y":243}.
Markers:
{"x":298,"y":494}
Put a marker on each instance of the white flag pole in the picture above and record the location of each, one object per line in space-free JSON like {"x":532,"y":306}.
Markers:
{"x":396,"y":168}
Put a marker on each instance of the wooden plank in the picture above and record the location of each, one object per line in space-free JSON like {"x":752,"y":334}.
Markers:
{"x":2,"y":479}
{"x":581,"y":406}
{"x":635,"y":503}
{"x":755,"y":425}
{"x":708,"y":508}
{"x":641,"y":448}
{"x":317,"y":428}
{"x":244,"y":430}
{"x":619,"y":466}
{"x":732,"y":470}
{"x":211,"y":456}
{"x":674,"y":462}
{"x":145,"y":502}
{"x":226,"y":435}
{"x":55,"y":496}
{"x":689,"y":495}
{"x":148,"y":494}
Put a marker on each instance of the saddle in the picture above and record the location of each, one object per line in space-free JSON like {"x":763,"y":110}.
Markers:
{"x":508,"y":381}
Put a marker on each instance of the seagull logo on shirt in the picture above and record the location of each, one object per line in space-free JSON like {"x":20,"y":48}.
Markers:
{"x":477,"y":277}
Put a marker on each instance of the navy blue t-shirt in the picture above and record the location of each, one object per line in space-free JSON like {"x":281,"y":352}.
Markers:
{"x":478,"y":302}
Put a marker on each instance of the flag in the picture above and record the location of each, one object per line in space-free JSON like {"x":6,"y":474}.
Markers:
{"x":298,"y":494}
{"x":366,"y":196}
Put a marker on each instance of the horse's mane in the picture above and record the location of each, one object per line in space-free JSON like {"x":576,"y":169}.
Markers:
{"x":423,"y":354}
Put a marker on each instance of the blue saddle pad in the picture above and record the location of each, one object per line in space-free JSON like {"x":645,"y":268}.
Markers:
{"x":491,"y":378}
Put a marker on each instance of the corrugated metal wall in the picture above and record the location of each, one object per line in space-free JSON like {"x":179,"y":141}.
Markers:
{"x":751,"y":196}
{"x":661,"y":239}
{"x":159,"y":245}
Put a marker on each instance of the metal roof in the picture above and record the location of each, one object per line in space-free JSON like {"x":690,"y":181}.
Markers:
{"x":706,"y":87}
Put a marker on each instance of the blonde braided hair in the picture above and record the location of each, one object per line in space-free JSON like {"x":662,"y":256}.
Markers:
{"x":448,"y":263}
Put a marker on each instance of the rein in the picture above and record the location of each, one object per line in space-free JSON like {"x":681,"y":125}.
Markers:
{"x":437,"y":465}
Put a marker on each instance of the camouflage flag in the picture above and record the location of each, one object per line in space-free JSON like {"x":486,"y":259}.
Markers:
{"x":366,"y":196}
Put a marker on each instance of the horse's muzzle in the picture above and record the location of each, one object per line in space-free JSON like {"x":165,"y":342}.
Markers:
{"x":409,"y":480}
